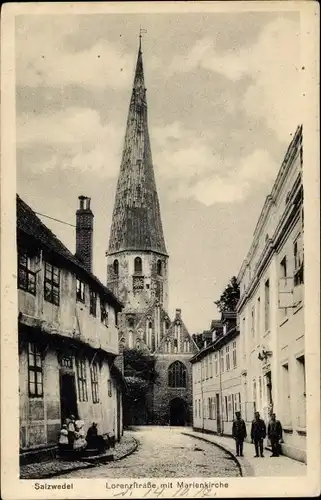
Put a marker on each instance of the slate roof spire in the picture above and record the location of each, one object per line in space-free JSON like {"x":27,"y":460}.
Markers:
{"x":136,"y":223}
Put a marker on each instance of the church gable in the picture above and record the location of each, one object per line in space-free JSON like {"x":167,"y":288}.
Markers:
{"x":177,"y":339}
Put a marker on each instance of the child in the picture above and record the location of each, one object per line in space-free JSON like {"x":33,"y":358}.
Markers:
{"x":80,"y":441}
{"x":63,"y":439}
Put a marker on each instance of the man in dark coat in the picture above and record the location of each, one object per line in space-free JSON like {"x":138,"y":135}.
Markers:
{"x":258,"y":433}
{"x":239,"y":433}
{"x":275,"y":435}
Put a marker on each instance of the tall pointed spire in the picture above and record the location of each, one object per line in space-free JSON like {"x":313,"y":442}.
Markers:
{"x":136,"y":223}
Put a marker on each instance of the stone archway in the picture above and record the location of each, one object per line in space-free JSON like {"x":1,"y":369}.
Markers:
{"x":177,"y":412}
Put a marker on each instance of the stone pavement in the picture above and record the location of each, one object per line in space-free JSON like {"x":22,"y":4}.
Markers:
{"x":51,"y":468}
{"x":258,"y":467}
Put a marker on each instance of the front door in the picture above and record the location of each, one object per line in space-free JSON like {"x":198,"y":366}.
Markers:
{"x":177,"y":412}
{"x":68,"y":396}
{"x":218,"y":414}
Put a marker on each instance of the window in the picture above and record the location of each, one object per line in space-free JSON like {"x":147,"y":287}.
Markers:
{"x":253,"y":322}
{"x":103,"y":313}
{"x":260,"y":391}
{"x":267,"y":304}
{"x":52,"y":282}
{"x":301,"y":391}
{"x":35,"y":372}
{"x":222,"y":361}
{"x":26,"y":277}
{"x":186,"y":345}
{"x":93,"y":303}
{"x":229,"y":407}
{"x":159,"y":268}
{"x":94,"y":382}
{"x":80,"y":291}
{"x":298,"y":261}
{"x":286,"y":395}
{"x":82,"y":379}
{"x":227,"y":355}
{"x":167,"y":346}
{"x":199,"y":408}
{"x":283,"y":272}
{"x":206,"y":367}
{"x":234,"y":354}
{"x":254,"y":393}
{"x":177,"y":375}
{"x":138,"y":266}
{"x":116,"y":267}
{"x":109,"y":388}
{"x":195,"y":409}
{"x":210,"y":366}
{"x":258,"y":316}
{"x":216,"y":364}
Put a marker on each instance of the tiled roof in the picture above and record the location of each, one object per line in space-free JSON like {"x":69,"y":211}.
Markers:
{"x":30,"y":224}
{"x":136,"y":223}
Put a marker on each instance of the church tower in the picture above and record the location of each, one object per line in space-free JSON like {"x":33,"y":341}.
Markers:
{"x":137,"y":259}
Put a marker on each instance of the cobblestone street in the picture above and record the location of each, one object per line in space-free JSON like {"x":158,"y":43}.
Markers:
{"x":166,"y":452}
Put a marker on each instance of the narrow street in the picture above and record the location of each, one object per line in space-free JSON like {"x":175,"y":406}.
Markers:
{"x":166,"y":452}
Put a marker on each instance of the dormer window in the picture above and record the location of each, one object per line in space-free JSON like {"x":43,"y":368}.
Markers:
{"x":80,"y":291}
{"x":116,"y":267}
{"x":159,"y":268}
{"x":138,"y":265}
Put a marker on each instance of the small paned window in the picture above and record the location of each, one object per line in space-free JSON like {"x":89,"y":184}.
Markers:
{"x":26,"y":277}
{"x":52,"y":284}
{"x":93,"y":303}
{"x":159,"y":268}
{"x":94,"y":382}
{"x":80,"y":292}
{"x":103,"y":313}
{"x":35,"y":371}
{"x":82,"y":379}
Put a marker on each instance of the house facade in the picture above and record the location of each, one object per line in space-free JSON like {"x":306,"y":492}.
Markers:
{"x":217,"y":378}
{"x":271,"y":308}
{"x":68,"y":335}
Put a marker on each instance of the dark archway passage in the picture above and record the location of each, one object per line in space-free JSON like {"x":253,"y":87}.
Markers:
{"x":177,"y":412}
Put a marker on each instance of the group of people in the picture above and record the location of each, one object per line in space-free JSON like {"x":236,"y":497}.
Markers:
{"x":72,"y":436}
{"x":258,"y":434}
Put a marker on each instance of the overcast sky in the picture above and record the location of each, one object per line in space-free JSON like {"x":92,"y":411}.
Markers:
{"x":222,"y":93}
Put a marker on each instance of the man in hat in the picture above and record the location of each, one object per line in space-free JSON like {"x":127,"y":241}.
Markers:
{"x":275,"y":435}
{"x":258,"y":434}
{"x":239,"y":433}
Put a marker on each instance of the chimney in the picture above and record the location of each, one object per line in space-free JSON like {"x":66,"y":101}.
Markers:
{"x":84,"y":232}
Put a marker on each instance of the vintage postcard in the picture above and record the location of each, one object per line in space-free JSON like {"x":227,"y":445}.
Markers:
{"x":160,"y":293}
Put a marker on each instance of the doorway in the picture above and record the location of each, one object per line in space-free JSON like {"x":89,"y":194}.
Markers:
{"x":68,"y":396}
{"x":177,"y":412}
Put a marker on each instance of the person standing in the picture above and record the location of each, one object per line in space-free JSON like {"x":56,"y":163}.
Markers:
{"x":258,"y":434}
{"x":275,"y":435}
{"x":239,"y":433}
{"x":71,"y":431}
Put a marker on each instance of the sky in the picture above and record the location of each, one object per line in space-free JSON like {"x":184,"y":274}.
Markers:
{"x":222,"y":93}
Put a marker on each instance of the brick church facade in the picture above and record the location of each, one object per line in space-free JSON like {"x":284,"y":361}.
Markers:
{"x":137,"y":270}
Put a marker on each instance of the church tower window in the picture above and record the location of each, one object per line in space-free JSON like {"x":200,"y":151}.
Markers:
{"x":130,"y":339}
{"x":159,"y":268}
{"x":177,"y":374}
{"x":116,"y":267}
{"x":138,"y":265}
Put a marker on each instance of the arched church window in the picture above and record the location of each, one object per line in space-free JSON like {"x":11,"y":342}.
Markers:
{"x":137,"y":344}
{"x":175,"y":345}
{"x":186,"y":345}
{"x":122,"y":341}
{"x":138,"y":266}
{"x":177,"y":374}
{"x":116,"y":267}
{"x":159,"y":268}
{"x":150,"y":324}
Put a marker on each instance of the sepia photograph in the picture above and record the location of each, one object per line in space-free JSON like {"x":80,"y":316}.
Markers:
{"x":159,"y":266}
